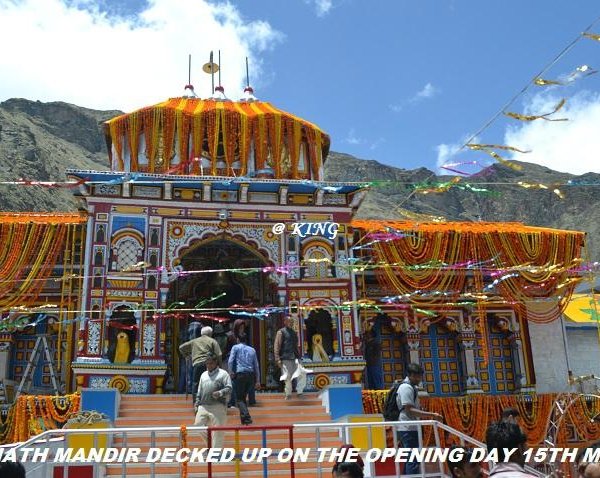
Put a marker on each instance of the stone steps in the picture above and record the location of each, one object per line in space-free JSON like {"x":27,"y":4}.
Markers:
{"x":152,"y":411}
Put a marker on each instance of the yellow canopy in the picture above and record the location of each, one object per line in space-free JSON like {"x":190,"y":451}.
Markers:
{"x":581,"y":308}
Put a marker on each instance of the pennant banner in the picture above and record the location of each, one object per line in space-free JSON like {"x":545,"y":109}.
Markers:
{"x":521,"y":117}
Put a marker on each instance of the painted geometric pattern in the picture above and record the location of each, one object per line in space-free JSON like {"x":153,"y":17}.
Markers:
{"x":20,"y":358}
{"x":440,"y":357}
{"x":499,"y":375}
{"x":195,"y":230}
{"x":393,"y":356}
{"x":334,"y":379}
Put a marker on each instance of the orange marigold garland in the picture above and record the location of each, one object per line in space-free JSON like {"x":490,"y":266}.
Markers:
{"x":184,"y":465}
{"x":31,"y":415}
{"x":473,"y":414}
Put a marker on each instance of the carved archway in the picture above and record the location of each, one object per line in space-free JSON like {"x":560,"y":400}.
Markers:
{"x":222,"y":274}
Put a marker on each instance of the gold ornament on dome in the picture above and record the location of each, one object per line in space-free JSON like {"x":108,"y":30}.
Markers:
{"x":210,"y":67}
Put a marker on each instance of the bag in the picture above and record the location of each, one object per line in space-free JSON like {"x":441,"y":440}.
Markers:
{"x":391,"y":412}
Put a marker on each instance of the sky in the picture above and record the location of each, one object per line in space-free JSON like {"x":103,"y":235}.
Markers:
{"x":405,"y":83}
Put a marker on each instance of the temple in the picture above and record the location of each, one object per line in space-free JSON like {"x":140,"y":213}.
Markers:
{"x":216,"y":209}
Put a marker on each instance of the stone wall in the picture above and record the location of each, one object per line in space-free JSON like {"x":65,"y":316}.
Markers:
{"x":549,"y":357}
{"x":584,"y":351}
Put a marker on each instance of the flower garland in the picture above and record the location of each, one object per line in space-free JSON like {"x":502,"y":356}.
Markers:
{"x":32,"y":414}
{"x":184,"y":465}
{"x":241,"y":127}
{"x":32,"y":244}
{"x":549,"y":254}
{"x":473,"y":414}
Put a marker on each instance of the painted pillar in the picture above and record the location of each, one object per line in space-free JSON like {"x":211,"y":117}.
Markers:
{"x":466,"y":340}
{"x":6,"y":340}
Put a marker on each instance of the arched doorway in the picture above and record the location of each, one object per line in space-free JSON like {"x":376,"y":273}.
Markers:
{"x":219,"y":276}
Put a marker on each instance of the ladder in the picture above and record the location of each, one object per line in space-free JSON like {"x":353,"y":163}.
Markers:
{"x":41,"y":345}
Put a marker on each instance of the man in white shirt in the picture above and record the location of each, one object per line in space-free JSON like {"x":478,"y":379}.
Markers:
{"x":211,"y":399}
{"x":407,"y":398}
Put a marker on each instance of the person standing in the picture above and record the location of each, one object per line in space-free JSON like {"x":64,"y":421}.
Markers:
{"x":200,"y":349}
{"x":210,"y":404}
{"x":288,"y":357}
{"x":407,"y":398}
{"x":243,"y":366}
{"x":372,"y":354}
{"x":240,"y":327}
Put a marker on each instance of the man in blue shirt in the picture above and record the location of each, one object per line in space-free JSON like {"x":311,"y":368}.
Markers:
{"x":243,"y":367}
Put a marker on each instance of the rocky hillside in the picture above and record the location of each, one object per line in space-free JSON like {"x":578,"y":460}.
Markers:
{"x":38,"y":141}
{"x":506,"y":200}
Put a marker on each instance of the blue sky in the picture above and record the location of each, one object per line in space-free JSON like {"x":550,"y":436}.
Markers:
{"x":400,"y":82}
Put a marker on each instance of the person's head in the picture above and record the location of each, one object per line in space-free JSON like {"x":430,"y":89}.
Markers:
{"x":207,"y":331}
{"x":212,"y":362}
{"x":11,"y":469}
{"x":415,"y":373}
{"x":503,"y":435}
{"x":464,"y":468}
{"x":511,"y":415}
{"x":359,"y":459}
{"x":287,"y":321}
{"x":347,"y":470}
{"x":243,"y":339}
{"x":587,"y":469}
{"x":239,"y":327}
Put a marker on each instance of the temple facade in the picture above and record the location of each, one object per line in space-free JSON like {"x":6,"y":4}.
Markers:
{"x":189,"y":215}
{"x":215,"y":210}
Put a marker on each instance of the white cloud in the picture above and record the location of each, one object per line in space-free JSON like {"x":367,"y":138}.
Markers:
{"x":447,"y":153}
{"x":56,"y":51}
{"x":351,"y":138}
{"x":428,"y":91}
{"x":567,"y":146}
{"x":322,"y":6}
{"x":378,"y":142}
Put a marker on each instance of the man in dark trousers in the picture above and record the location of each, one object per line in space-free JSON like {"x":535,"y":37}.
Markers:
{"x":408,"y":403}
{"x":200,"y":350}
{"x":243,"y":367}
{"x":287,"y":356}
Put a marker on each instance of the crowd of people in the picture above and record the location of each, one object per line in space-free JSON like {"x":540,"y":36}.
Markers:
{"x":228,"y":375}
{"x":218,"y":374}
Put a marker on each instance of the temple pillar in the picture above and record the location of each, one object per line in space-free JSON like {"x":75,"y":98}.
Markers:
{"x":413,"y":341}
{"x":6,"y":340}
{"x":467,"y":347}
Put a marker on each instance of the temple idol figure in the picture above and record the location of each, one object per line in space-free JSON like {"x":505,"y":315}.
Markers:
{"x":319,"y":323}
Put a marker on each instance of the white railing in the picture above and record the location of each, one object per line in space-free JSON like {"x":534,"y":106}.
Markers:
{"x":54,"y":439}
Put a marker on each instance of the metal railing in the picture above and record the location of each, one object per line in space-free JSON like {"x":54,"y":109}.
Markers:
{"x":268,"y":436}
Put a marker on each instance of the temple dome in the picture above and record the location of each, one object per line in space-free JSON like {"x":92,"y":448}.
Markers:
{"x":189,"y":135}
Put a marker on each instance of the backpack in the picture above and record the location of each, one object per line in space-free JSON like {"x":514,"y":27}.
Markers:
{"x":391,"y":412}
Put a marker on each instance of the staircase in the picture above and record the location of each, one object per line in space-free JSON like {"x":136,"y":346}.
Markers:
{"x":271,"y":410}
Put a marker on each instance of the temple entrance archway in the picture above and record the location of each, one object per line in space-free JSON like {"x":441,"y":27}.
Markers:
{"x":219,"y":275}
